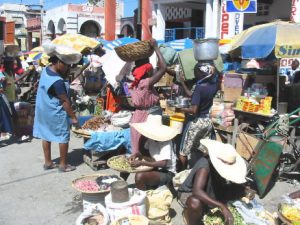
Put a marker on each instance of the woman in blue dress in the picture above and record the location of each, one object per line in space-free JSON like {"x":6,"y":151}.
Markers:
{"x":53,"y":108}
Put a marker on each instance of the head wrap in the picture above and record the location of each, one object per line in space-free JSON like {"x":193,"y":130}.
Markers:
{"x":139,"y":72}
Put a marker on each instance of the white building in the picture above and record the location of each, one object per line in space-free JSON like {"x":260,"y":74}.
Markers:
{"x":175,"y":19}
{"x":74,"y":18}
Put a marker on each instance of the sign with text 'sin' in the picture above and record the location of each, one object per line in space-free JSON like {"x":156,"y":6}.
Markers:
{"x":241,"y":6}
{"x":231,"y":24}
{"x":295,"y":12}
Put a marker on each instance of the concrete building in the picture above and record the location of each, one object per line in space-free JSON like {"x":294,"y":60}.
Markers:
{"x":175,"y":19}
{"x":74,"y":18}
{"x":19,"y":14}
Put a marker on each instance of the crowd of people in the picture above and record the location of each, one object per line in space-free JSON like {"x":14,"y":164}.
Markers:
{"x":212,"y":163}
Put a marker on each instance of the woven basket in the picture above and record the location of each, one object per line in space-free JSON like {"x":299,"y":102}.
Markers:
{"x":135,"y":51}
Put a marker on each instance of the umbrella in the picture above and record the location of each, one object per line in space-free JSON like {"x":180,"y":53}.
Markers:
{"x":181,"y":44}
{"x":119,"y":42}
{"x":37,"y":49}
{"x":33,"y":55}
{"x":77,"y":41}
{"x":261,"y":40}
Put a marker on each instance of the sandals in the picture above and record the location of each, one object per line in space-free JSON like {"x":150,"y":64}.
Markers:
{"x":50,"y":167}
{"x":67,"y":168}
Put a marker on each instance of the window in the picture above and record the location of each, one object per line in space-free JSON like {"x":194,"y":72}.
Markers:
{"x":263,"y":9}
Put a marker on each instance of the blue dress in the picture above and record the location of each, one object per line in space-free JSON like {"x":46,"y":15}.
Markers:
{"x":51,"y":122}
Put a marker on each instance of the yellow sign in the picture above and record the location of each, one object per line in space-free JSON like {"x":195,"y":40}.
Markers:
{"x":241,"y":4}
{"x":287,"y":51}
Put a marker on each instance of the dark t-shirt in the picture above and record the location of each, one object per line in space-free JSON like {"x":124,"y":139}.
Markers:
{"x":58,"y":87}
{"x":203,"y":97}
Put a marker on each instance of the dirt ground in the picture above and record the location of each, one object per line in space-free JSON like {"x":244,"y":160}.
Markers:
{"x":32,"y":196}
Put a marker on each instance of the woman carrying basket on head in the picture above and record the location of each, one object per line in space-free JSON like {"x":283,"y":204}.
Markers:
{"x":144,"y":97}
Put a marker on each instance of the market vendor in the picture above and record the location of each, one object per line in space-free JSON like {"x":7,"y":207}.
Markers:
{"x":206,"y":184}
{"x":158,"y":145}
{"x":143,"y":95}
{"x":199,"y":125}
{"x":53,"y":109}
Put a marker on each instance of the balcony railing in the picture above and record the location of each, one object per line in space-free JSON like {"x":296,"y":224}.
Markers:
{"x":180,"y":33}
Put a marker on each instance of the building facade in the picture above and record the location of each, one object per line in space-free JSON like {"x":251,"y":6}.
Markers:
{"x":73,"y":18}
{"x":20,"y":14}
{"x":176,"y":19}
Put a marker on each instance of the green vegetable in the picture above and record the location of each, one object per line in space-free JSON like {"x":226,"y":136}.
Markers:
{"x":215,"y":217}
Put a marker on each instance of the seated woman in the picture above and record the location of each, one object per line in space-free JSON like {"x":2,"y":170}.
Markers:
{"x":160,"y":149}
{"x":206,"y":184}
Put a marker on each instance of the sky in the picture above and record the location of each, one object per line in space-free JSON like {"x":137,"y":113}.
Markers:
{"x":129,"y":5}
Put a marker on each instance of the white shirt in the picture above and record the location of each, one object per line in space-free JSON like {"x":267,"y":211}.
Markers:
{"x":162,"y":150}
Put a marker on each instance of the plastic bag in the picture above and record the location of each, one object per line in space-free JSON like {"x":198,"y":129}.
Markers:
{"x":92,"y":211}
{"x":158,"y":205}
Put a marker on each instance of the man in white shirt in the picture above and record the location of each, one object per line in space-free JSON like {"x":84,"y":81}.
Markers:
{"x":160,"y":148}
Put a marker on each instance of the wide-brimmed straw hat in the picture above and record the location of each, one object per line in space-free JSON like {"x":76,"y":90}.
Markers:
{"x":154,"y":129}
{"x":225,"y":159}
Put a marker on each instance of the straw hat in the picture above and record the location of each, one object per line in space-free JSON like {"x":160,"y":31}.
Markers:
{"x":229,"y":164}
{"x":65,"y":53}
{"x":154,"y":129}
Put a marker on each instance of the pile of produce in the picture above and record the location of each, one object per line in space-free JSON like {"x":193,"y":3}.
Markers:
{"x":122,"y":163}
{"x":93,"y":123}
{"x":290,"y":212}
{"x":94,"y":183}
{"x":87,"y":185}
{"x":215,"y":217}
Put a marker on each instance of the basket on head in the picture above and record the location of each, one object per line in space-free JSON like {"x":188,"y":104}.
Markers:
{"x":135,"y":51}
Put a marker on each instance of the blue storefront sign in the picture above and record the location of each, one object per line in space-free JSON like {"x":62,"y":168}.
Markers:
{"x":241,"y":6}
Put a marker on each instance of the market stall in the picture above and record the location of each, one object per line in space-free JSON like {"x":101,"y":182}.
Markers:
{"x":258,"y":89}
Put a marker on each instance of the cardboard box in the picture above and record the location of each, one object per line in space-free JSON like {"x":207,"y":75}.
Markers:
{"x":245,"y":145}
{"x":166,"y":80}
{"x":234,"y":85}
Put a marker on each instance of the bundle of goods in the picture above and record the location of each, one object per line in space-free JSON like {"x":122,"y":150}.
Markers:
{"x":222,"y":113}
{"x":132,"y":220}
{"x":95,"y":215}
{"x":94,"y":183}
{"x":135,"y":51}
{"x":135,"y":205}
{"x":121,"y":119}
{"x":215,"y":217}
{"x":122,"y":163}
{"x":250,"y":104}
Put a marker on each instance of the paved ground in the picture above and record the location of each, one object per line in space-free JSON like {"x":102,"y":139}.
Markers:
{"x":31,"y":196}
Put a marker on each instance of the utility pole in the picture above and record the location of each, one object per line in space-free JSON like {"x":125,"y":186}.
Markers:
{"x":42,"y":20}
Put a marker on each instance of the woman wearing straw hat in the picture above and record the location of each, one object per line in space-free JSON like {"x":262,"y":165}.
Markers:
{"x":53,"y":108}
{"x":206,"y":184}
{"x":144,"y":97}
{"x":160,"y":148}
